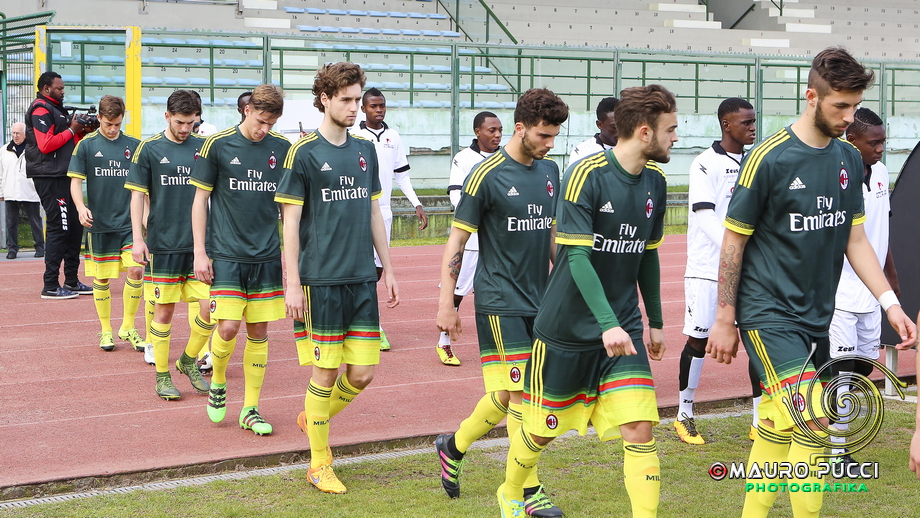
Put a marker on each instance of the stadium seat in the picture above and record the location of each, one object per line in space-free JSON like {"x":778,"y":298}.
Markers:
{"x":184,"y":61}
{"x":98,"y":79}
{"x":496,"y":87}
{"x":147,"y":40}
{"x":390,"y":32}
{"x":418,"y":15}
{"x":390,"y":85}
{"x":444,"y":69}
{"x":198,"y":43}
{"x":454,"y":34}
{"x":437,"y":86}
{"x":207,"y":62}
{"x":249,"y":83}
{"x":254,"y":63}
{"x":307,"y":28}
{"x":219,"y":43}
{"x":314,"y":10}
{"x":437,"y":16}
{"x":342,"y":46}
{"x":219,"y":102}
{"x":118,"y":80}
{"x":465,"y":69}
{"x":18,"y":77}
{"x":71,"y":79}
{"x":160,"y":60}
{"x":325,"y":46}
{"x":336,"y":12}
{"x":509,"y":105}
{"x":76,"y":38}
{"x":446,"y":104}
{"x":294,"y":10}
{"x":175,"y":81}
{"x":411,"y":32}
{"x":460,"y":51}
{"x":491,"y":105}
{"x":356,"y":12}
{"x":397,"y":14}
{"x":421,"y":68}
{"x":369,"y":30}
{"x":234,"y":63}
{"x":465,"y":87}
{"x":199,"y":81}
{"x":73,"y":98}
{"x":99,"y":38}
{"x":403,"y":103}
{"x":373,"y":84}
{"x":399,"y":67}
{"x":377,"y":14}
{"x":118,"y":60}
{"x":58,"y":57}
{"x":377,"y":66}
{"x":431,"y":34}
{"x":364,"y":47}
{"x":224,"y":81}
{"x":482,"y":70}
{"x":428,"y":104}
{"x":442,"y":50}
{"x":89,"y":58}
{"x":327,"y":28}
{"x":173,"y":41}
{"x":245,"y":43}
{"x":150,"y":80}
{"x":407,"y":50}
{"x":385,"y":48}
{"x":417,"y":86}
{"x":158,"y":100}
{"x":349,"y":30}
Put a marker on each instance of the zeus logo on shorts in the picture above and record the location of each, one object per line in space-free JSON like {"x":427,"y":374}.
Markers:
{"x":515,"y":375}
{"x":552,"y":422}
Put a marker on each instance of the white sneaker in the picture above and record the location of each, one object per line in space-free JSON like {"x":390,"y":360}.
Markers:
{"x":204,"y":364}
{"x":148,"y":354}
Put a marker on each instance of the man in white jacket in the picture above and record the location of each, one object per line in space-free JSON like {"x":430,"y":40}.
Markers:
{"x":19,"y":193}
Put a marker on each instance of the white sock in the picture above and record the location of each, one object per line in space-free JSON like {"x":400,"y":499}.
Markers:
{"x":687,"y":395}
{"x":444,"y":339}
{"x":842,"y":389}
{"x":756,"y":419}
{"x":696,"y":368}
{"x":686,"y":403}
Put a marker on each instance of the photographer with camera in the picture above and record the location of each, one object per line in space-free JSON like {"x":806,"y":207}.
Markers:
{"x":50,"y":140}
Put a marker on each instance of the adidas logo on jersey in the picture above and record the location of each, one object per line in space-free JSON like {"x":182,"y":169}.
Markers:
{"x":164,"y":160}
{"x":98,"y":154}
{"x":513,"y":192}
{"x":608,"y":208}
{"x":796,"y":184}
{"x":325,"y":167}
{"x":235,"y":161}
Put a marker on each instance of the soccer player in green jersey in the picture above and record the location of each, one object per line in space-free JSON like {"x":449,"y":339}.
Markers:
{"x":161,"y":170}
{"x":509,"y":201}
{"x":796,"y":210}
{"x":332,"y":225}
{"x":102,"y":159}
{"x":239,"y":168}
{"x":589,"y":363}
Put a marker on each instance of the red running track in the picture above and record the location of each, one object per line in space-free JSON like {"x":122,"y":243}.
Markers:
{"x":70,"y":410}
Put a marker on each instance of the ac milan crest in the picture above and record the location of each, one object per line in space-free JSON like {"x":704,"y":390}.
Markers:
{"x":515,"y":375}
{"x":649,"y":208}
{"x":316,"y":352}
{"x":550,"y":189}
{"x":362,"y":162}
{"x":156,"y":292}
{"x":552,"y":422}
{"x":213,"y":306}
{"x":197,"y":154}
{"x":844,"y":178}
{"x":799,"y":402}
{"x":127,"y":154}
{"x":272,"y":161}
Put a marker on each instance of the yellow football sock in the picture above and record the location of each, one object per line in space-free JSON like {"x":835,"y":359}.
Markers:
{"x":806,"y":504}
{"x":201,"y":331}
{"x":770,"y":445}
{"x":220,"y":357}
{"x":642,"y":477}
{"x":148,"y":319}
{"x":515,"y":423}
{"x":316,"y":405}
{"x":159,"y":334}
{"x":488,"y":413}
{"x":103,"y":300}
{"x":343,"y":393}
{"x":523,"y":455}
{"x":131,"y":299}
{"x":255,"y":357}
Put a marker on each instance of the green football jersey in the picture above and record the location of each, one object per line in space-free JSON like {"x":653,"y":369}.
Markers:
{"x":798,"y":204}
{"x":620,"y":216}
{"x":242,"y":177}
{"x":104,"y":164}
{"x":161,"y":169}
{"x":512,"y":208}
{"x":336,"y":186}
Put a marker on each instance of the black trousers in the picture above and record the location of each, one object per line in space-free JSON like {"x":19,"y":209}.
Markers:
{"x":64,"y":233}
{"x":33,"y":212}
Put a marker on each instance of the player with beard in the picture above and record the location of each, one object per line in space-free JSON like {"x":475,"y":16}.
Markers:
{"x":332,"y":226}
{"x":589,"y":363}
{"x":796,"y":211}
{"x":509,"y":200}
{"x":488,"y":131}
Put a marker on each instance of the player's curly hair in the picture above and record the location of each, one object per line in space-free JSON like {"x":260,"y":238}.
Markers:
{"x":267,"y":98}
{"x":540,"y":105}
{"x":641,"y":106}
{"x":111,"y":107}
{"x":835,"y":69}
{"x":863,"y":119}
{"x":332,"y":78}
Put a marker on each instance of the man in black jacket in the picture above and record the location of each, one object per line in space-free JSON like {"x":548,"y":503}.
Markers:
{"x":50,"y":141}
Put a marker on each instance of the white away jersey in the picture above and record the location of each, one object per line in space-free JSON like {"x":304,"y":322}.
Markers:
{"x":712,"y":180}
{"x":391,"y":157}
{"x":852,"y":294}
{"x":588,"y":147}
{"x":464,"y":162}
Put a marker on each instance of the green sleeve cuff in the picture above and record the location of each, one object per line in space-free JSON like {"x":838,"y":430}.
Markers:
{"x":589,"y":284}
{"x":649,"y":279}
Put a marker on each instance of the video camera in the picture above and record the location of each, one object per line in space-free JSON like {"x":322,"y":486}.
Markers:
{"x":89,"y":120}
